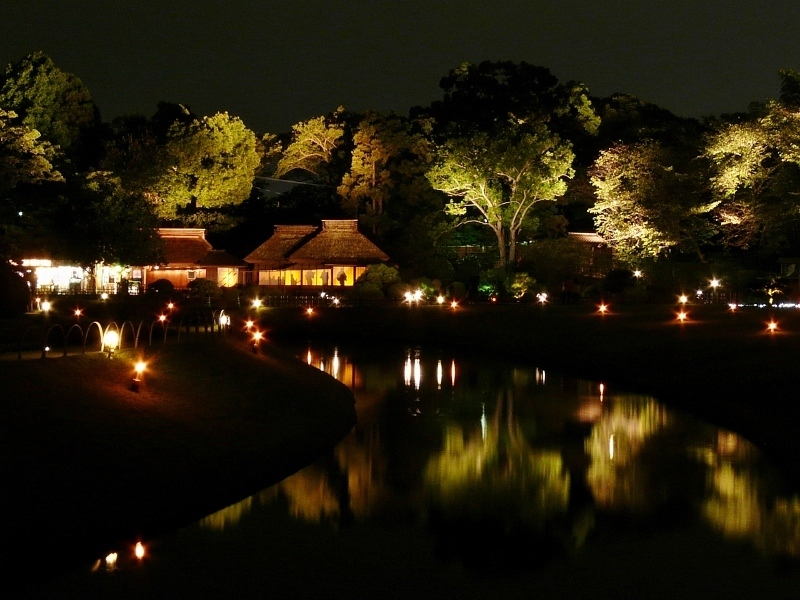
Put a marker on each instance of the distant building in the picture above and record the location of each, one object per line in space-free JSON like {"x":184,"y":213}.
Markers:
{"x":189,"y":256}
{"x":596,"y":258}
{"x":335,"y":254}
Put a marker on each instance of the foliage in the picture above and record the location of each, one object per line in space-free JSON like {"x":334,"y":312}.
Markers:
{"x":14,"y":295}
{"x":650,"y":199}
{"x":757,"y":174}
{"x":53,"y":102}
{"x":161,"y":286}
{"x":380,"y":275}
{"x":105,"y":223}
{"x":202,"y":287}
{"x":24,"y":157}
{"x":495,"y":180}
{"x":312,"y":146}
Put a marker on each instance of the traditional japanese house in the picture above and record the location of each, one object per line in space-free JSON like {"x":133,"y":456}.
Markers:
{"x":335,"y":254}
{"x":189,"y":256}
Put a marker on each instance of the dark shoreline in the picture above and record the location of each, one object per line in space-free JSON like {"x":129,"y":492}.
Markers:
{"x":88,"y":466}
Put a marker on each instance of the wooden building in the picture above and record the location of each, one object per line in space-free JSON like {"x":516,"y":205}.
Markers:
{"x":335,"y":254}
{"x":189,"y":256}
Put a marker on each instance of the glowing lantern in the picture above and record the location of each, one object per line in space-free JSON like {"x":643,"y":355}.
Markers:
{"x":602,"y":309}
{"x":715,"y":283}
{"x":602,"y":389}
{"x":162,"y":318}
{"x":309,"y":311}
{"x":772,"y":326}
{"x":111,"y":559}
{"x":46,"y":306}
{"x":637,"y":273}
{"x":104,"y":296}
{"x":257,"y":335}
{"x":170,"y":306}
{"x":139,"y":550}
{"x":110,"y":341}
{"x":256,"y":303}
{"x":453,"y":304}
{"x":418,"y":295}
{"x":440,"y":299}
{"x":682,"y":316}
{"x":542,"y":298}
{"x":224,"y":320}
{"x":249,"y":324}
{"x":78,"y":312}
{"x":683,"y":298}
{"x":336,"y":301}
{"x":732,"y":306}
{"x":138,"y":368}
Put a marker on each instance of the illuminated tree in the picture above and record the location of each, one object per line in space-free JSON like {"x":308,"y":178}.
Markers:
{"x":757,"y":174}
{"x":649,"y":199}
{"x":312,"y":146}
{"x":24,"y":157}
{"x":49,"y":100}
{"x":495,"y":180}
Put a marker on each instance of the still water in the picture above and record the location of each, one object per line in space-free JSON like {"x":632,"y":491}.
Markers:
{"x":471,"y":478}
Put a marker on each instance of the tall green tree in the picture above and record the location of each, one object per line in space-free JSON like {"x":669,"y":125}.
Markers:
{"x":650,"y":199}
{"x":312,"y":147}
{"x":495,"y":180}
{"x":757,"y":174}
{"x":49,"y":100}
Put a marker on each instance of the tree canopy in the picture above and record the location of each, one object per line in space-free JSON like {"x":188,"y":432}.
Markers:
{"x":49,"y":100}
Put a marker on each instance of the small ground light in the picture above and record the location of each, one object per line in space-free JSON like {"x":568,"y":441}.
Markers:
{"x":683,"y":298}
{"x":602,"y":309}
{"x":772,"y":326}
{"x":682,"y":316}
{"x":78,"y":312}
{"x":139,"y":550}
{"x":453,"y":304}
{"x":257,"y":303}
{"x":46,"y":306}
{"x":732,"y":306}
{"x":542,"y":298}
{"x":104,"y":296}
{"x":110,"y":341}
{"x":309,"y":311}
{"x":336,"y":301}
{"x":138,"y":369}
{"x":637,"y":273}
{"x":257,"y":335}
{"x":162,"y":318}
{"x":440,"y":299}
{"x":494,"y":298}
{"x":249,"y":324}
{"x":171,"y":305}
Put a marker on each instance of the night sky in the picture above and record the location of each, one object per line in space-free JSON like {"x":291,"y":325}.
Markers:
{"x":276,"y":63}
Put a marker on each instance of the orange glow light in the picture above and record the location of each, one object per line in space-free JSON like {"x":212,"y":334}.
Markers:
{"x":683,"y":298}
{"x":682,"y":316}
{"x":602,"y":309}
{"x":257,"y":335}
{"x":171,"y":305}
{"x":139,"y":550}
{"x":162,"y":318}
{"x":772,"y":326}
{"x":309,"y":311}
{"x":78,"y":312}
{"x":140,"y":367}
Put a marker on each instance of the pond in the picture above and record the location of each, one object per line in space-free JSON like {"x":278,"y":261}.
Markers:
{"x":467,"y":477}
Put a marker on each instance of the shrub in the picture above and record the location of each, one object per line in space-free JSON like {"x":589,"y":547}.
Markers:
{"x":161,"y":286}
{"x":203,"y":287}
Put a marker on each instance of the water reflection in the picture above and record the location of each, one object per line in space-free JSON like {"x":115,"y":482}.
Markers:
{"x":523,"y":459}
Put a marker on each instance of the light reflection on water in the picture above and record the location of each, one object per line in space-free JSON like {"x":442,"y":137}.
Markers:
{"x":505,"y":466}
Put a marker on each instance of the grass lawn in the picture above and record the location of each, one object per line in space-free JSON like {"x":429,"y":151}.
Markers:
{"x":85,"y":461}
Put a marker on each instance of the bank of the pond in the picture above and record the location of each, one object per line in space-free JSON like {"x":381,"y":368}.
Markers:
{"x":720,"y":365}
{"x":85,"y":462}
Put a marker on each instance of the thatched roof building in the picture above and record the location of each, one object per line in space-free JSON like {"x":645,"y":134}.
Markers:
{"x":303,"y":255}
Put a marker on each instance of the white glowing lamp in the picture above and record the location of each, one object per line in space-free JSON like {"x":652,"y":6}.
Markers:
{"x":440,"y":299}
{"x":249,"y":324}
{"x":104,"y":296}
{"x":257,"y":303}
{"x":139,"y":550}
{"x":715,"y":283}
{"x":682,"y":316}
{"x":453,"y":304}
{"x":139,"y":367}
{"x":733,"y":306}
{"x":637,"y":273}
{"x":111,"y":559}
{"x":683,"y":298}
{"x":78,"y":312}
{"x":110,"y":341}
{"x":772,"y":326}
{"x":408,"y":296}
{"x":46,"y":306}
{"x":162,"y":318}
{"x":602,"y":309}
{"x":309,"y":311}
{"x":418,"y":295}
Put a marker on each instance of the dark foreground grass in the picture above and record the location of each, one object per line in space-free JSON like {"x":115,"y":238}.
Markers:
{"x":85,"y":462}
{"x":724,"y":367}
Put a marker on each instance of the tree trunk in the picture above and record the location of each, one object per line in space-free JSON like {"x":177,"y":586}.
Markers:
{"x":501,"y":247}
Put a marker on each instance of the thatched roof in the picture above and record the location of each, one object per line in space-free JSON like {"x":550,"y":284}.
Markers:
{"x":339,"y":242}
{"x":221,"y":258}
{"x":277,"y":248}
{"x":586,"y":238}
{"x":184,"y":247}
